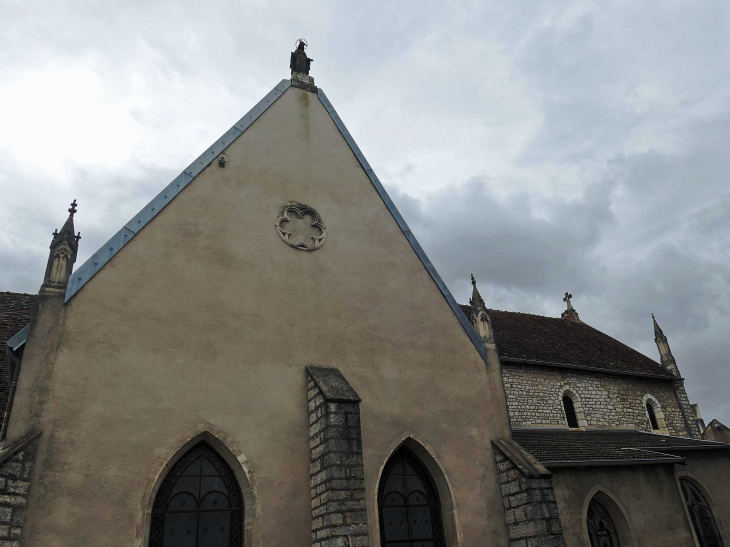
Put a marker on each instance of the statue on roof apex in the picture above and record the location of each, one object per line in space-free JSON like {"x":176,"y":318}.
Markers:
{"x":299,"y":62}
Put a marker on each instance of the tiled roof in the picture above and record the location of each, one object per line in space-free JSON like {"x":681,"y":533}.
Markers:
{"x":555,"y":448}
{"x":14,"y":315}
{"x":527,"y":337}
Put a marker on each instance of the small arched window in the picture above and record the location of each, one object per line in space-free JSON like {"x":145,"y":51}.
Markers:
{"x":601,"y":529}
{"x":652,"y":416}
{"x":198,"y":504}
{"x":701,"y":515}
{"x":569,"y":408}
{"x":408,"y":504}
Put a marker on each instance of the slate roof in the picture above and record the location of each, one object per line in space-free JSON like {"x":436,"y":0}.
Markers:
{"x":551,"y":340}
{"x":14,"y":315}
{"x":558,"y":448}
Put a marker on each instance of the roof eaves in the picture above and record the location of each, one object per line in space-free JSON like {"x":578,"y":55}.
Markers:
{"x":506,"y":359}
{"x":718,"y":446}
{"x":609,"y":463}
{"x":107,"y":251}
{"x":466,"y":325}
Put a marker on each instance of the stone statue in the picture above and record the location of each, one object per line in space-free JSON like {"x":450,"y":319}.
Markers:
{"x":299,"y":61}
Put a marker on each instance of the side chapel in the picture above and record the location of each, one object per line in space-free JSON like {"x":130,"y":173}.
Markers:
{"x":265,"y":356}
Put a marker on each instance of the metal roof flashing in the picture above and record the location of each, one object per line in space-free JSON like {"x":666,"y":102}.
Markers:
{"x":19,"y":339}
{"x":105,"y":253}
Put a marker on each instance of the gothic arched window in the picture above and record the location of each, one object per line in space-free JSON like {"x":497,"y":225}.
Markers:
{"x":702,"y":520}
{"x":569,"y":408}
{"x":601,"y":529}
{"x":408,"y":504}
{"x":198,"y":503}
{"x":652,"y":416}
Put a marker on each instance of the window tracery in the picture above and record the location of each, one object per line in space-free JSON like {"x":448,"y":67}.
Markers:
{"x":198,"y":504}
{"x":701,"y":516}
{"x":601,"y":529}
{"x":408,"y":504}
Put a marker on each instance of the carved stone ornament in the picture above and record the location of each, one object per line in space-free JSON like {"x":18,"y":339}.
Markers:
{"x":301,"y":227}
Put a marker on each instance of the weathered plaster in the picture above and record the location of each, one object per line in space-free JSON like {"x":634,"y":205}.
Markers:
{"x":205,"y":316}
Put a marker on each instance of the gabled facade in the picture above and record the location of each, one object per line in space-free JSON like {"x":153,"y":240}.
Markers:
{"x":197,"y":323}
{"x":265,"y":356}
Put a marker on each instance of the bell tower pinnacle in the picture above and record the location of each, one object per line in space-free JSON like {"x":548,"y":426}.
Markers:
{"x":480,"y":316}
{"x":62,"y":255}
{"x":665,"y":353}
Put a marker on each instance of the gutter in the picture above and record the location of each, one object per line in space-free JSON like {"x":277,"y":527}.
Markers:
{"x":681,"y":409}
{"x":611,"y":463}
{"x":583,"y":367}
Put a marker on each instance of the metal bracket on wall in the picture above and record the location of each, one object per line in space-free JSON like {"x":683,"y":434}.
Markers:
{"x":97,"y":261}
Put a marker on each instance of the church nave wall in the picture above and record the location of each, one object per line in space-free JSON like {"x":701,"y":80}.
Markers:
{"x":534,"y":395}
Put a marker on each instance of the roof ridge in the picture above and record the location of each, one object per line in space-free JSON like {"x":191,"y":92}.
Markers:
{"x":18,"y":293}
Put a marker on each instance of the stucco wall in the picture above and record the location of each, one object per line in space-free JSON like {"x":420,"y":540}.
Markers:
{"x":207,"y":316}
{"x":534,"y":396}
{"x":648,"y":493}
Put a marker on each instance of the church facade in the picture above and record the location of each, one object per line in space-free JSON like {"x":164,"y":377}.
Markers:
{"x":265,"y":356}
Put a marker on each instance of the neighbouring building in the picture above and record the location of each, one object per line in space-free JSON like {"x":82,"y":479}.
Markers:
{"x":265,"y":356}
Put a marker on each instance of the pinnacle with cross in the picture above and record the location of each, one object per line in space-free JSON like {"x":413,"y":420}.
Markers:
{"x":567,"y":298}
{"x":72,"y":210}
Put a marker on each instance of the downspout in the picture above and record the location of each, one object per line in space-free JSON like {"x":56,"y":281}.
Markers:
{"x":14,"y":362}
{"x":681,"y":409}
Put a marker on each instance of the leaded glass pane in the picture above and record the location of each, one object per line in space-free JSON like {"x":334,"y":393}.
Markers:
{"x":181,"y":529}
{"x":198,"y":503}
{"x":415,"y":520}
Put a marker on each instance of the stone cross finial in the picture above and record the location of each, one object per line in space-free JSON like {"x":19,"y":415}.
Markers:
{"x":78,"y":236}
{"x":72,"y":210}
{"x":473,"y":281}
{"x":567,"y":298}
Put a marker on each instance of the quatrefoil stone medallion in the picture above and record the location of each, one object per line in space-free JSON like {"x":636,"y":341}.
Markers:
{"x":301,"y":227}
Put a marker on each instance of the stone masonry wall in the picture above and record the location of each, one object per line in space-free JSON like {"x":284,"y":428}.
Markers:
{"x":339,"y":512}
{"x":534,"y":397}
{"x":530,"y":508}
{"x":15,"y":476}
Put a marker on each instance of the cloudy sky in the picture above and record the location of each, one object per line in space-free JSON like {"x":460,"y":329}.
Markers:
{"x":543,"y":146}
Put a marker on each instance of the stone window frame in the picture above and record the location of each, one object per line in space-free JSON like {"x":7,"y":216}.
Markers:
{"x":616,"y":510}
{"x":577,"y":406}
{"x":453,"y":535}
{"x":649,"y":399}
{"x":224,"y":445}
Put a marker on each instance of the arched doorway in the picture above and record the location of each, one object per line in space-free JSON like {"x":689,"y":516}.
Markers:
{"x":198,"y":504}
{"x":409,"y":509}
{"x":601,"y":529}
{"x":701,"y":515}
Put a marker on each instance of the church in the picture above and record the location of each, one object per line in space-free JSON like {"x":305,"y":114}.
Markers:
{"x":265,"y":356}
